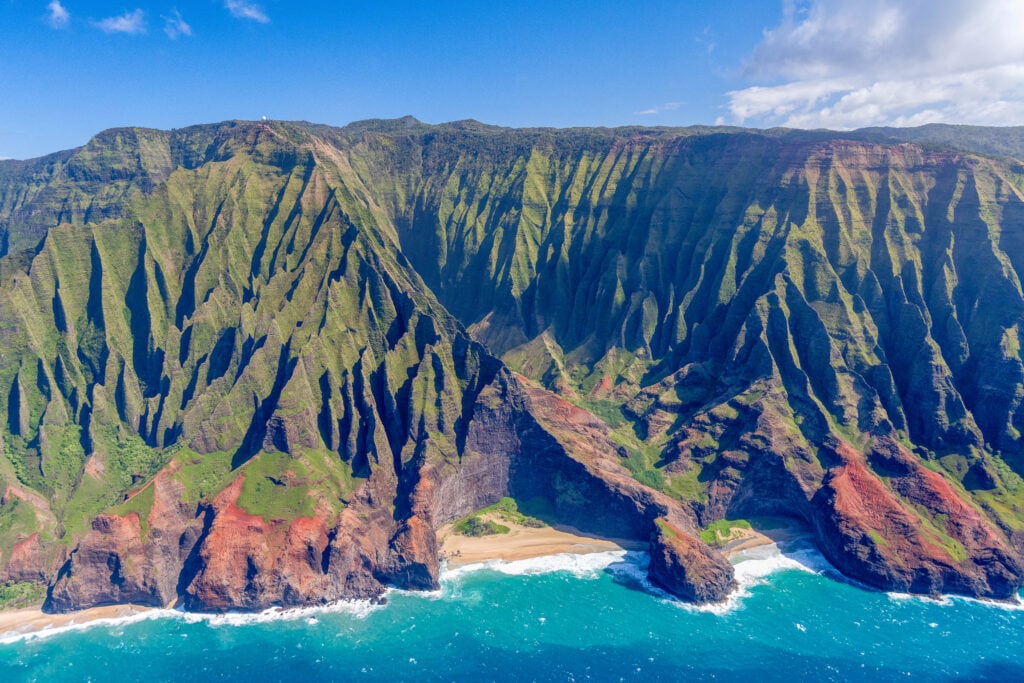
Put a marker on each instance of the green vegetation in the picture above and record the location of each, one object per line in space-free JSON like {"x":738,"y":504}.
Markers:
{"x":17,"y":521}
{"x":276,"y":487}
{"x":291,"y":308}
{"x":127,"y":464}
{"x":475,"y":526}
{"x":721,"y":532}
{"x":17,"y":595}
{"x":877,"y":538}
{"x":666,"y":528}
{"x":644,"y":463}
{"x":202,"y":475}
{"x":936,"y":530}
{"x":609,"y":411}
{"x":1006,"y":501}
{"x":507,"y":510}
{"x":140,"y":504}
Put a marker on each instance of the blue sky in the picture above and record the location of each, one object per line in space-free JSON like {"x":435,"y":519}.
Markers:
{"x":69,"y":69}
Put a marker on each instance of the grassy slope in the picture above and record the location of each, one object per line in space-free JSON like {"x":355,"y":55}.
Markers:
{"x":223,"y":295}
{"x":679,"y":285}
{"x":239,"y":312}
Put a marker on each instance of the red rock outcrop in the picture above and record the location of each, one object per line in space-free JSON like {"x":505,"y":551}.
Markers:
{"x":122,"y":559}
{"x":915,"y":535}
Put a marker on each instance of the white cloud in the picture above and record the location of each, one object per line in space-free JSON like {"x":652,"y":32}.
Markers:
{"x":667,"y":106}
{"x":133,"y":22}
{"x":852,"y":63}
{"x":175,"y":26}
{"x":246,"y":10}
{"x":58,"y":16}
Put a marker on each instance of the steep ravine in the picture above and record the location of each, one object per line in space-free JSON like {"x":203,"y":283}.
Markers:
{"x":251,"y":364}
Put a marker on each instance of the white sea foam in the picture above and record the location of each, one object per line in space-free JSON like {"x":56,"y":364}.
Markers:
{"x":937,"y":600}
{"x":581,"y":566}
{"x":1014,"y":604}
{"x":111,"y":622}
{"x":356,"y":608}
{"x":753,"y":567}
{"x":588,"y":565}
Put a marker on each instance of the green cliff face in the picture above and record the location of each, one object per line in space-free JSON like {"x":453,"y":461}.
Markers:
{"x":293,"y":322}
{"x":681,"y":282}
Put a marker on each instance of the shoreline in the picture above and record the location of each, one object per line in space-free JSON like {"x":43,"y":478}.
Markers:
{"x":524,"y":543}
{"x":521,"y":543}
{"x":28,"y":620}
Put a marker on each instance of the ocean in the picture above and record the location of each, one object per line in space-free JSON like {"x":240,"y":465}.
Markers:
{"x":559,"y":618}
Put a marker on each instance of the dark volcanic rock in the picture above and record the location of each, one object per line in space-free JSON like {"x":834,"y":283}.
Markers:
{"x":119,"y":561}
{"x":684,"y":566}
{"x":566,"y":456}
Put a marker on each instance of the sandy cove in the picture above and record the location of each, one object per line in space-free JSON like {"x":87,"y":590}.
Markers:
{"x":523,"y":543}
{"x":520,"y":543}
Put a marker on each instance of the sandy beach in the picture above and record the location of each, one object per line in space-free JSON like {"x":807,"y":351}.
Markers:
{"x":523,"y":543}
{"x":745,"y":539}
{"x":32,"y":619}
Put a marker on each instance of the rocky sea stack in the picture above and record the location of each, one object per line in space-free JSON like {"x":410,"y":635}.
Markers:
{"x":256,"y":364}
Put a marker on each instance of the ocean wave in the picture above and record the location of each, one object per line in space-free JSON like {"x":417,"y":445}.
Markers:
{"x":112,"y":622}
{"x":582,"y":566}
{"x":936,"y":600}
{"x":629,"y":568}
{"x":760,"y":562}
{"x":752,"y":568}
{"x":356,"y":608}
{"x":1015,"y":604}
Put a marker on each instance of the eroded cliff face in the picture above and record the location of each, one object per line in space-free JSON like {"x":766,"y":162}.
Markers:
{"x":742,"y":307}
{"x":248,"y":365}
{"x":223,"y":557}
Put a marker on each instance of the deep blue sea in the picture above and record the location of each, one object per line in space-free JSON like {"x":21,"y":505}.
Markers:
{"x":560,"y":618}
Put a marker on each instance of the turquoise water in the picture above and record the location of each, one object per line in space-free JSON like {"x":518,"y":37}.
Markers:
{"x":565,"y":618}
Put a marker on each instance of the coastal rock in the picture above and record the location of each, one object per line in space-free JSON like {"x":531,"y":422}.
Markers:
{"x":245,"y":562}
{"x":134,"y":557}
{"x":685,"y":567}
{"x":566,"y":456}
{"x":916,"y":535}
{"x":110,"y":567}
